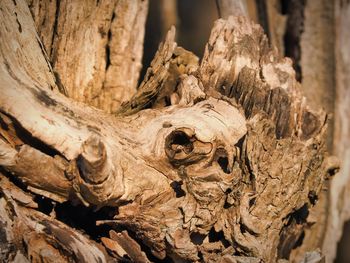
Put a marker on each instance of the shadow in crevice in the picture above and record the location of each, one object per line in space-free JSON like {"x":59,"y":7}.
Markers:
{"x":292,"y":234}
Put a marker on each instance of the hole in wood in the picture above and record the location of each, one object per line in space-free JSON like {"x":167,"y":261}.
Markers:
{"x":223,"y":162}
{"x":177,"y":189}
{"x":313,"y":197}
{"x":45,"y":205}
{"x":197,"y":238}
{"x":217,"y":237}
{"x":221,"y":158}
{"x":178,"y":145}
{"x":228,"y":203}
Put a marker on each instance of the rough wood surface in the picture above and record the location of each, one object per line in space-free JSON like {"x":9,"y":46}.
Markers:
{"x":159,"y":87}
{"x":104,"y":70}
{"x":217,"y":162}
{"x":31,"y":236}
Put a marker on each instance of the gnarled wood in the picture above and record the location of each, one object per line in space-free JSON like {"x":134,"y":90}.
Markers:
{"x":31,"y":236}
{"x":217,"y":162}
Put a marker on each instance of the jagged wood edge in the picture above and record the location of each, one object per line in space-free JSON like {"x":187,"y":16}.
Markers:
{"x":162,"y":77}
{"x":238,"y":63}
{"x":40,"y":236}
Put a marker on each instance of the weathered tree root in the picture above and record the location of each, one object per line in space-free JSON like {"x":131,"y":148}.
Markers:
{"x":217,"y":162}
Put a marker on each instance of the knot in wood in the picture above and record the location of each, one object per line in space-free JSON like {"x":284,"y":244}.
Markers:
{"x":92,"y":161}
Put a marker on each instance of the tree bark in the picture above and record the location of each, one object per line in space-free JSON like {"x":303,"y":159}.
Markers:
{"x":104,"y":70}
{"x":217,"y":161}
{"x":316,"y":35}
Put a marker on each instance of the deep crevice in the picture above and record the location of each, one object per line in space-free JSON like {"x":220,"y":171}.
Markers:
{"x":294,"y":28}
{"x":80,"y":217}
{"x":176,"y":185}
{"x":45,"y":205}
{"x":292,"y":234}
{"x":19,"y":24}
{"x":13,"y":179}
{"x":54,"y":33}
{"x":223,"y":162}
{"x":75,"y":216}
{"x":197,"y":238}
{"x":313,"y":197}
{"x":84,"y":218}
{"x":301,"y":214}
{"x":59,"y":84}
{"x":227,"y":205}
{"x":221,"y":157}
{"x":217,"y":237}
{"x":108,"y":48}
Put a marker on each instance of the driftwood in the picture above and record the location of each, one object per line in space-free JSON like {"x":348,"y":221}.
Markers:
{"x":213,"y":162}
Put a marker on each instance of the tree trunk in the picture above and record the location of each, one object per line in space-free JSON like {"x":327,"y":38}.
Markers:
{"x":218,"y":161}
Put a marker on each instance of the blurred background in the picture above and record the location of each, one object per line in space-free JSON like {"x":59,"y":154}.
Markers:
{"x":314,"y":35}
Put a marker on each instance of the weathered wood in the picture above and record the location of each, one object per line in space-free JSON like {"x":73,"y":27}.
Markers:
{"x":216,"y":162}
{"x":159,"y":87}
{"x":31,"y":236}
{"x":44,"y":174}
{"x":304,"y":31}
{"x":104,"y":71}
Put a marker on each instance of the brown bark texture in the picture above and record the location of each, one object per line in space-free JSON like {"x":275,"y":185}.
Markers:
{"x":214,"y":160}
{"x":315,"y":35}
